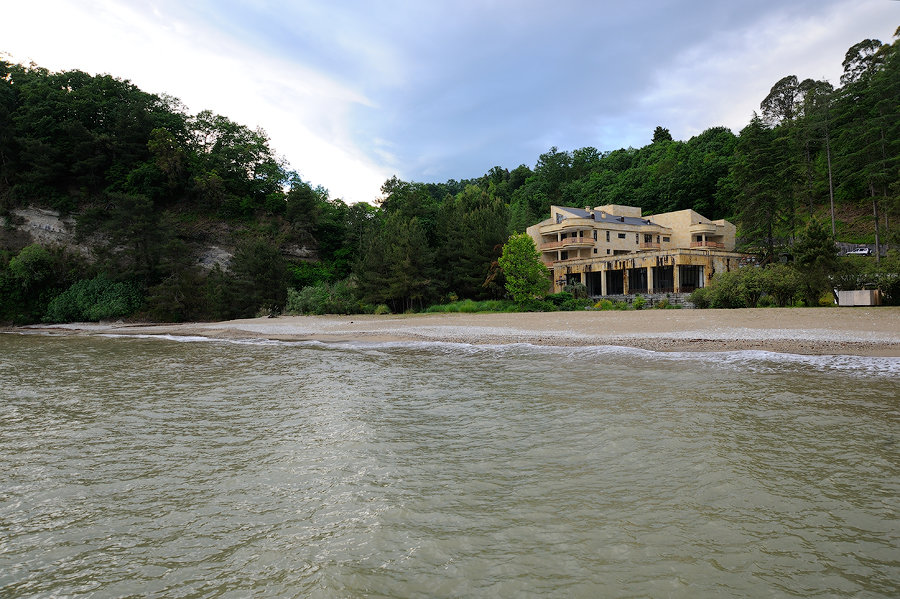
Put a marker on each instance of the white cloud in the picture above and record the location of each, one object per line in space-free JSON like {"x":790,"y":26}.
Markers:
{"x":722,"y":80}
{"x":303,"y":111}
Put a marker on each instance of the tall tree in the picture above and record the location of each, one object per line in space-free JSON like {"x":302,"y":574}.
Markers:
{"x":755,"y":173}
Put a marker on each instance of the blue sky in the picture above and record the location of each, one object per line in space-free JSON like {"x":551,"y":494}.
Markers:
{"x":353,"y":92}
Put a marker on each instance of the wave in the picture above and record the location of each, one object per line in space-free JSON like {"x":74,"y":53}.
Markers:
{"x":760,"y":361}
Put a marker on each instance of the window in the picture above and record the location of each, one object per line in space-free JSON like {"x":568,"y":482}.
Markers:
{"x":666,"y":239}
{"x":595,"y":235}
{"x":621,"y":235}
{"x":607,"y":236}
{"x":595,"y":250}
{"x":637,"y":238}
{"x":649,"y":238}
{"x":607,"y":251}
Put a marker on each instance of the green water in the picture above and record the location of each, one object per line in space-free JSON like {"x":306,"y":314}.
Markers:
{"x":158,"y":468}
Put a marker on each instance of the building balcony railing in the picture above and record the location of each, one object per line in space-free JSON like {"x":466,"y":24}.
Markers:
{"x":649,"y":246}
{"x":708,"y":244}
{"x":568,"y":242}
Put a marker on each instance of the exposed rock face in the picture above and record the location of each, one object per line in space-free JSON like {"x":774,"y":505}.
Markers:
{"x":299,"y":251}
{"x":212,"y":244}
{"x":214,"y":255}
{"x":45,"y":226}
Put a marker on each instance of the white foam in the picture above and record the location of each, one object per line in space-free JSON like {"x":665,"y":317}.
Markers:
{"x":753,"y":360}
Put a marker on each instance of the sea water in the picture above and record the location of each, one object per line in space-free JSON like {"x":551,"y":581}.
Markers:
{"x":185,"y":467}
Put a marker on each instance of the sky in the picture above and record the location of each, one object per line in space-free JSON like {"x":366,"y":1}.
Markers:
{"x":353,"y":92}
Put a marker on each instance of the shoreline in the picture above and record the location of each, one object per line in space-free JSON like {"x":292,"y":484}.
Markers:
{"x":871,"y":332}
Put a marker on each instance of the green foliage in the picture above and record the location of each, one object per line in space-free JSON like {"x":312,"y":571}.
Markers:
{"x":381,"y":310}
{"x":816,"y":258}
{"x":31,"y":278}
{"x":526,"y":275}
{"x":93,"y":300}
{"x":259,"y":278}
{"x":578,"y":290}
{"x":639,"y":302}
{"x":323,"y":298}
{"x":700,"y":298}
{"x":471,"y":307}
{"x":750,"y":287}
{"x":604,"y":304}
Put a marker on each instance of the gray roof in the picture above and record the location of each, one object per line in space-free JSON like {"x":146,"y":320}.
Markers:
{"x":608,"y":218}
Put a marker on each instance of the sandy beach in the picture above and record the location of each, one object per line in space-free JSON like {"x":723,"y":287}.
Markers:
{"x":818,"y":331}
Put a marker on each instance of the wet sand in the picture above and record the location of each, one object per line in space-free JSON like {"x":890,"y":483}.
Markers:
{"x":812,"y":331}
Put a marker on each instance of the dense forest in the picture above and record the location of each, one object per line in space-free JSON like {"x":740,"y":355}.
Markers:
{"x":151,"y":188}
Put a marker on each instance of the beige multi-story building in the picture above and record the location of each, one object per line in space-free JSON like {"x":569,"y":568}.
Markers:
{"x":613,"y":250}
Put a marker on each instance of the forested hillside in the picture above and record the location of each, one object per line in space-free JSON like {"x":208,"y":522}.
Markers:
{"x":152,"y":188}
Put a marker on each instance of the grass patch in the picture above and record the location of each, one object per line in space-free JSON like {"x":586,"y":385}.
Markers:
{"x":470,"y":307}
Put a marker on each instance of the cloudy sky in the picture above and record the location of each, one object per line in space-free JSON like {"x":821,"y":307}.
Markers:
{"x":352,"y":92}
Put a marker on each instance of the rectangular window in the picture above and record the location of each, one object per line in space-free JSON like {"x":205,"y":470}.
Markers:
{"x":595,"y":235}
{"x":648,"y":238}
{"x":595,"y":250}
{"x":607,"y":250}
{"x":637,"y":238}
{"x":666,"y":239}
{"x":621,"y":235}
{"x":607,"y":236}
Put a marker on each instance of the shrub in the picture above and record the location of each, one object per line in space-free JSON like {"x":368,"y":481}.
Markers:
{"x":638,"y":302}
{"x":620,"y":305}
{"x":536,"y":305}
{"x":766,"y":301}
{"x":663,"y":304}
{"x":578,"y":290}
{"x":93,"y":300}
{"x":700,"y":298}
{"x":729,"y":290}
{"x":323,"y":298}
{"x":558,"y":299}
{"x":381,"y":309}
{"x":604,"y":304}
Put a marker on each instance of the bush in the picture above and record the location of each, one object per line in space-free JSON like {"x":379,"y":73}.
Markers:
{"x":577,"y":290}
{"x":620,"y":305}
{"x":700,"y":298}
{"x":730,"y":290}
{"x":323,"y":298}
{"x":663,"y":304}
{"x":766,"y":301}
{"x":604,"y":304}
{"x":93,"y":300}
{"x":638,"y":302}
{"x":536,"y":305}
{"x":381,"y":309}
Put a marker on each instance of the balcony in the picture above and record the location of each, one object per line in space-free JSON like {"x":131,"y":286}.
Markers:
{"x":569,"y":242}
{"x":698,"y":228}
{"x":650,"y":246}
{"x":715,"y":245}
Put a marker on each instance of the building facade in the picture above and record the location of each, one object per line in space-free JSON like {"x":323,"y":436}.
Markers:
{"x":613,"y":250}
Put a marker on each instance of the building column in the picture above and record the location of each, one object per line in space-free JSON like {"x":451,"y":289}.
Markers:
{"x":649,"y":279}
{"x":603,"y":282}
{"x":676,"y":277}
{"x":625,"y":281}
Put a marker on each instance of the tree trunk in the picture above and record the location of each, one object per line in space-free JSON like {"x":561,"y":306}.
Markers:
{"x":875,"y":212}
{"x":830,"y":184}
